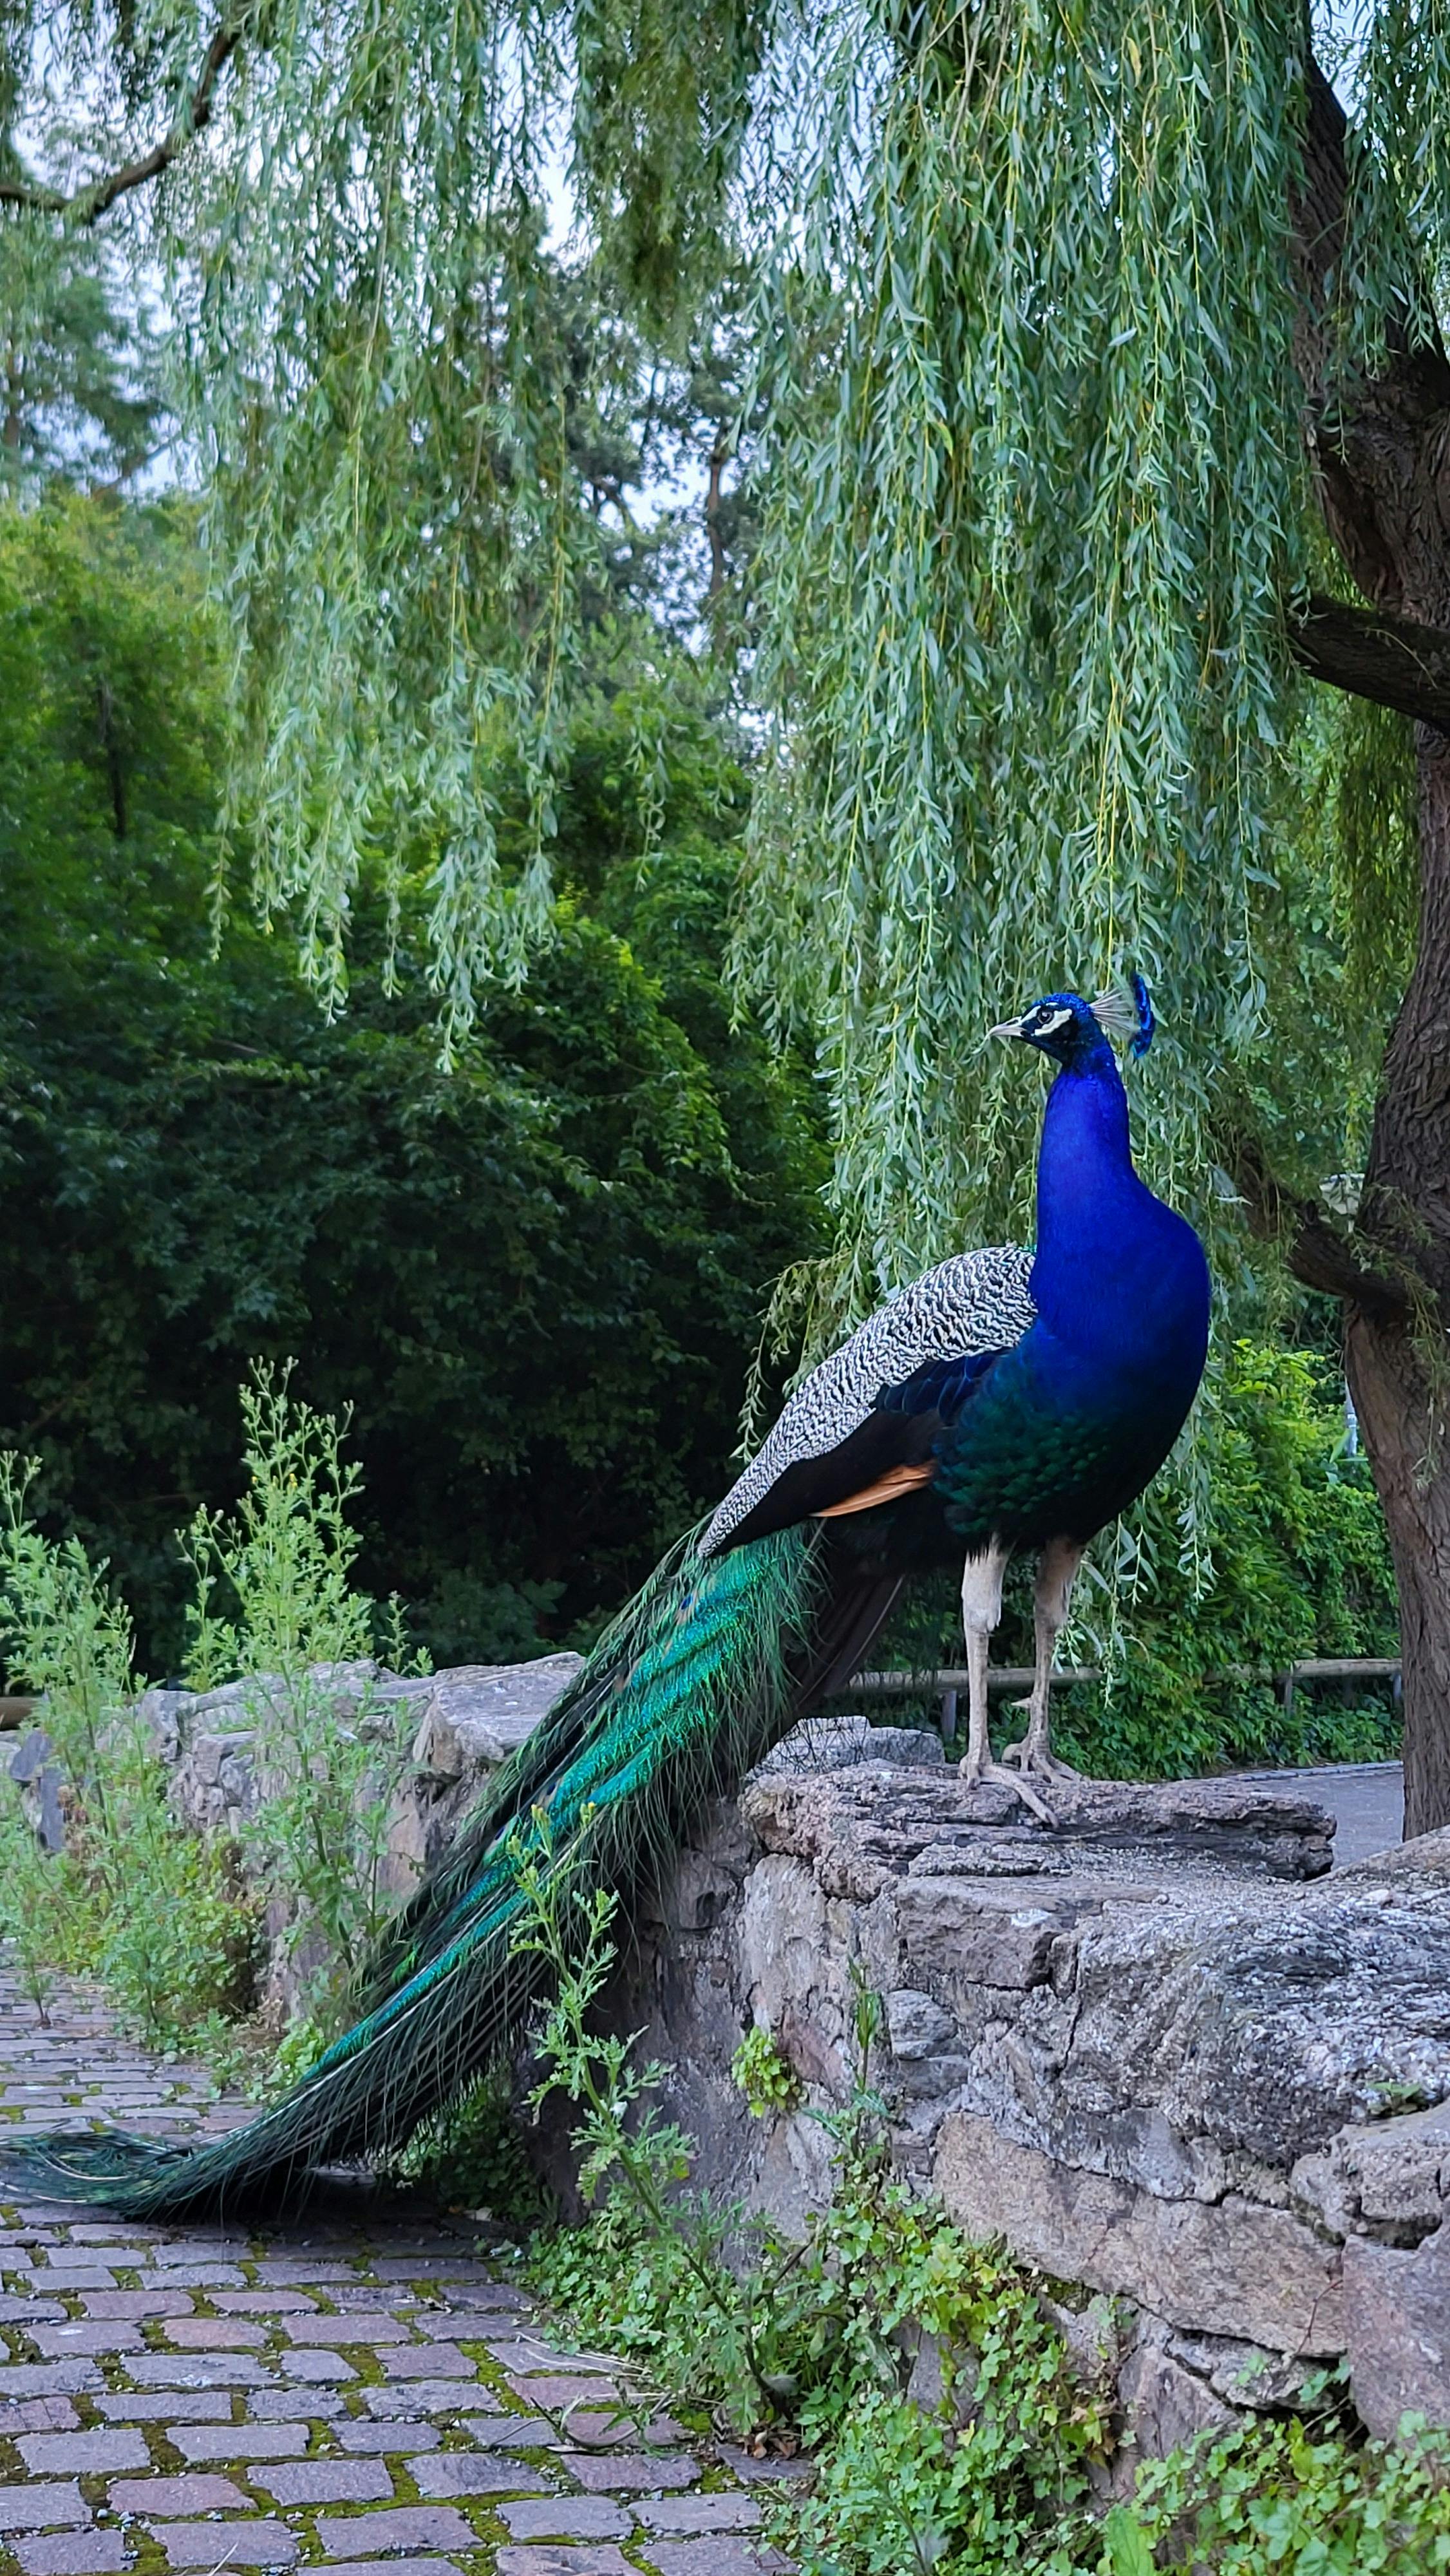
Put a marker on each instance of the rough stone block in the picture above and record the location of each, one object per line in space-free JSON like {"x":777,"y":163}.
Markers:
{"x":504,"y":2432}
{"x":366,"y":2326}
{"x":425,"y":2361}
{"x":558,"y":2559}
{"x":40,"y":2508}
{"x":470,"y":2473}
{"x":195,"y":2370}
{"x":377,"y":2440}
{"x":1231,"y":2268}
{"x":686,"y":2517}
{"x":423,"y":2397}
{"x":171,"y":2406}
{"x":47,"y":2379}
{"x":722,"y":2556}
{"x":284,"y":2405}
{"x":213,"y":2334}
{"x":324,"y":2482}
{"x":1162,"y":2402}
{"x":630,"y":2472}
{"x":416,"y":2566}
{"x":915,"y":2025}
{"x":1397,"y":2330}
{"x":315,"y":2369}
{"x":98,"y":2334}
{"x":199,"y":2443}
{"x":964,"y":1932}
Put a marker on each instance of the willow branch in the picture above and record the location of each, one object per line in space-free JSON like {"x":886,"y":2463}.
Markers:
{"x":88,"y":204}
{"x":1317,"y":1253}
{"x":1371,"y":655}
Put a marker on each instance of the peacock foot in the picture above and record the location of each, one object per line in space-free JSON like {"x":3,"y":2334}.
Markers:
{"x":1033,"y":1753}
{"x":1038,"y":1761}
{"x":974,"y":1772}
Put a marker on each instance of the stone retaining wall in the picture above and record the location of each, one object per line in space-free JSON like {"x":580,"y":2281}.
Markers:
{"x":1171,"y":2063}
{"x":1203,"y":2087}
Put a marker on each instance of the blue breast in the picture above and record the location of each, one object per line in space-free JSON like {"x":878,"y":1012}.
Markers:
{"x":1064,"y":1431}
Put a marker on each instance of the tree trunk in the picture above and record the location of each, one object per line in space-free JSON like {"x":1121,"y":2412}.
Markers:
{"x":1382,"y":454}
{"x":1399,"y":1371}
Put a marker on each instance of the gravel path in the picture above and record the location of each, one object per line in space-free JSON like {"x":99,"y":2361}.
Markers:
{"x":352,"y":2395}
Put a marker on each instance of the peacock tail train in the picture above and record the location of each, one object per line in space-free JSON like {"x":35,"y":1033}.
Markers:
{"x":693,"y":1682}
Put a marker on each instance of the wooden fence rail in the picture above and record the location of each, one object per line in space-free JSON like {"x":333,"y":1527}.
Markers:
{"x":1009,"y":1678}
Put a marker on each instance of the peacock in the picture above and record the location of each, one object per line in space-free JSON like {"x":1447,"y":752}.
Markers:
{"x":1007,"y":1400}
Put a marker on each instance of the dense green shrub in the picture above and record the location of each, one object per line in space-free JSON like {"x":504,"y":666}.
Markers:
{"x":535,"y":1280}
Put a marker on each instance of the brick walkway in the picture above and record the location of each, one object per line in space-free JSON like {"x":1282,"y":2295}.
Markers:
{"x":349,"y":2396}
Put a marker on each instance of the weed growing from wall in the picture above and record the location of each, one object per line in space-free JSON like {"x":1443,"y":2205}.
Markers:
{"x":275,"y":1601}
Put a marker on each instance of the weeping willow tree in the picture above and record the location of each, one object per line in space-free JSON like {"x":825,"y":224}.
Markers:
{"x":1097,"y":396}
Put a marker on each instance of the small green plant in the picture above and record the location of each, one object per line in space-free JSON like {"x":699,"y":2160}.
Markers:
{"x":1305,"y":2498}
{"x":40,"y":1902}
{"x":136,"y":1900}
{"x":275,"y":1601}
{"x":764,"y":2074}
{"x":633,"y":2164}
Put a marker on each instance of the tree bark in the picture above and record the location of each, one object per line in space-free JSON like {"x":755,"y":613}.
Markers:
{"x":1388,"y":659}
{"x":1381,"y":450}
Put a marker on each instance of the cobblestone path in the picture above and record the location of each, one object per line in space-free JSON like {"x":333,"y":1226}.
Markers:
{"x":345,"y":2395}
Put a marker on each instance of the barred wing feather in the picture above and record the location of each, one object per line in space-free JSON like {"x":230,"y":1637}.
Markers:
{"x":840,"y":1434}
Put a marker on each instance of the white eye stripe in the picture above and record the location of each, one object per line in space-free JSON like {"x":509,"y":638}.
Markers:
{"x":1055,"y":1020}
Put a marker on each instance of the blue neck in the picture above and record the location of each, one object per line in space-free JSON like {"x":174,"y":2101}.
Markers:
{"x":1085,"y":1169}
{"x":1106,"y":1247}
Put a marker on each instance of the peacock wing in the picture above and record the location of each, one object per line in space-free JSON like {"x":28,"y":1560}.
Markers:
{"x":862,"y":1427}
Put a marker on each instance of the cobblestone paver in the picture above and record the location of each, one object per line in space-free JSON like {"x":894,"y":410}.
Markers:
{"x":345,"y":2396}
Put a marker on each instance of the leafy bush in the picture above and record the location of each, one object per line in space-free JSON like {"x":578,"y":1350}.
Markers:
{"x":1294,"y":1562}
{"x":154,"y":1911}
{"x":164,"y":1917}
{"x":1305,"y":2499}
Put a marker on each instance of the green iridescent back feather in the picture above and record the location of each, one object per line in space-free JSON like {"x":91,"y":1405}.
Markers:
{"x":690,"y":1685}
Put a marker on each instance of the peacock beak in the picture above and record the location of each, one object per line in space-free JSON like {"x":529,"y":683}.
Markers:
{"x":1009,"y":1029}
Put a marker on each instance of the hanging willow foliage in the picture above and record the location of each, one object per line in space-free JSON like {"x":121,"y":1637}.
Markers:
{"x":1029,"y":454}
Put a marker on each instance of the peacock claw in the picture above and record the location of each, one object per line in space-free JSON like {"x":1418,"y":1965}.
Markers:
{"x":973,"y":1773}
{"x":1039,"y":1761}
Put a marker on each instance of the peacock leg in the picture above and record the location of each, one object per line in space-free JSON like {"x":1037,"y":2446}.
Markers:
{"x":1060,"y":1562}
{"x":981,"y":1610}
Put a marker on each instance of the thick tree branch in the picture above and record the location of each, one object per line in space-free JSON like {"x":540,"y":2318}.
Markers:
{"x":1371,"y":655}
{"x":1316,"y":1252}
{"x":88,"y":204}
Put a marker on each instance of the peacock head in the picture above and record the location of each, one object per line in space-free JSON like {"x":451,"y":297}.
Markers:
{"x":1071,"y":1030}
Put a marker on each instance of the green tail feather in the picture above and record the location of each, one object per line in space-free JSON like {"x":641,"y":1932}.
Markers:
{"x":690,"y":1685}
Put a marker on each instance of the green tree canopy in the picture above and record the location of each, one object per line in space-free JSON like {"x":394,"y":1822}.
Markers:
{"x":1095,"y":381}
